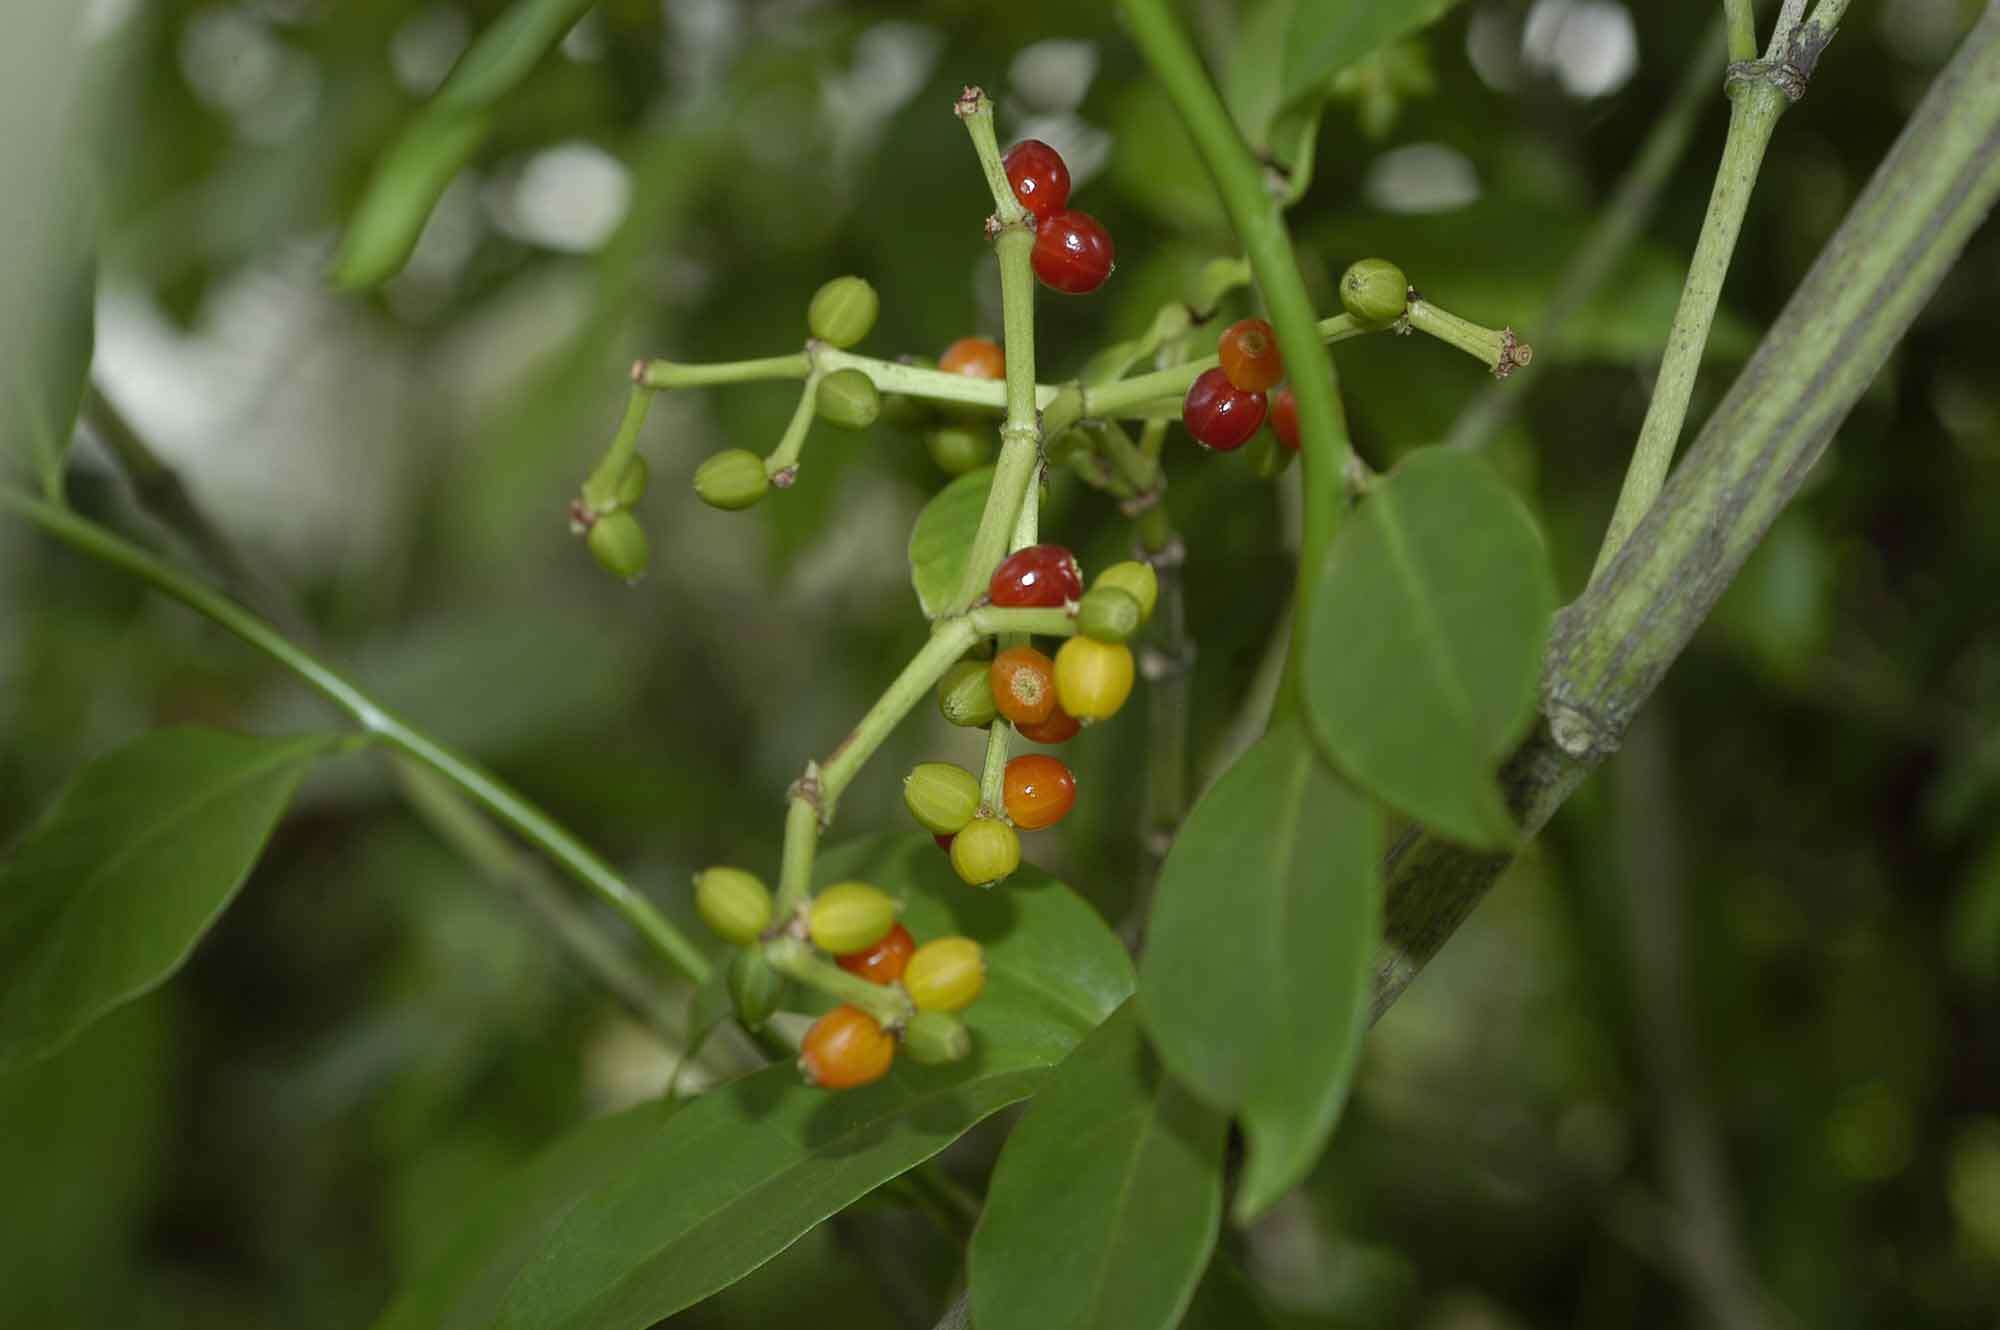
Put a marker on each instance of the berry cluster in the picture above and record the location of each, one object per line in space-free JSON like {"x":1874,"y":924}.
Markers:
{"x":1047,"y":700}
{"x":1073,"y":252}
{"x":855,"y":924}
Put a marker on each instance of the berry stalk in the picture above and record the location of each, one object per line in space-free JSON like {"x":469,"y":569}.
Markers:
{"x":783,"y":463}
{"x":887,"y":1003}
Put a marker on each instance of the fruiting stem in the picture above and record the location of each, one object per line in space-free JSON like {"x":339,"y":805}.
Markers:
{"x":1755,"y":105}
{"x":931,"y":385}
{"x":601,"y":489}
{"x":802,"y":822}
{"x":950,"y":639}
{"x":975,"y":108}
{"x":489,"y":791}
{"x":887,"y":1003}
{"x":1118,"y":398}
{"x":1742,"y":29}
{"x":988,"y":621}
{"x":667,"y":374}
{"x":784,"y":459}
{"x":993,"y":773}
{"x":1486,"y":345}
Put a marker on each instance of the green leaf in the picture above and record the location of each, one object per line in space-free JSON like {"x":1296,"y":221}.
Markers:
{"x":413,"y":173}
{"x":54,"y":276}
{"x":105,"y":899}
{"x":1281,"y":130}
{"x":943,"y":536}
{"x":1424,"y":645}
{"x":1326,"y":36}
{"x":1104,"y":1208}
{"x":636,"y":1217}
{"x":1254,"y":985}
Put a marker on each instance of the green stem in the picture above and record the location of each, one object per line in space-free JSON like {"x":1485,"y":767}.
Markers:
{"x":931,"y":385}
{"x":783,"y":463}
{"x":489,"y":791}
{"x":1259,"y":222}
{"x":988,"y":621}
{"x":1020,"y":436}
{"x":1120,"y":397}
{"x":1742,"y":29}
{"x":887,"y":1003}
{"x":802,"y":822}
{"x":949,"y":641}
{"x":667,"y":374}
{"x":600,"y":491}
{"x":1496,"y":348}
{"x":993,"y":771}
{"x":1611,"y":237}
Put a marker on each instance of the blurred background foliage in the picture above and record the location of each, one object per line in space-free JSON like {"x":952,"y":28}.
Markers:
{"x":1724,"y":1050}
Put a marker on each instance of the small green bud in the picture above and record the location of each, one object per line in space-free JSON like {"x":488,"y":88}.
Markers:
{"x":847,"y":398}
{"x":843,"y":311}
{"x":941,"y":796}
{"x":1135,"y":579}
{"x":904,"y":412}
{"x":1375,"y":291}
{"x":965,"y":694}
{"x":1108,"y":614}
{"x":618,"y":543}
{"x":632,"y":482}
{"x":733,"y":478}
{"x":736,"y":905}
{"x":960,"y":448}
{"x":755,"y":987}
{"x":932,"y":1037}
{"x":850,"y":916}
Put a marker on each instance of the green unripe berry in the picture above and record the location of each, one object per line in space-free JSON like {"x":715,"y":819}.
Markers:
{"x":986,"y":851}
{"x":933,"y":1037}
{"x":733,"y":478}
{"x":1375,"y":291}
{"x":1108,"y":614}
{"x":843,"y":311}
{"x":959,"y":448}
{"x":618,"y":543}
{"x":848,"y":398}
{"x":755,"y":988}
{"x":947,"y":974}
{"x":632,"y":481}
{"x":1135,"y":579}
{"x":965,"y":694}
{"x":735,"y":904}
{"x":941,"y":796}
{"x":849,"y":917}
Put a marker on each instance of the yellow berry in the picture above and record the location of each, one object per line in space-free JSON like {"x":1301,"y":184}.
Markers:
{"x":986,"y":851}
{"x":1093,"y":678}
{"x":850,"y":916}
{"x":946,"y":975}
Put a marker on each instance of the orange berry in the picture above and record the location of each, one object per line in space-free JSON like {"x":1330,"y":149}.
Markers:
{"x":974,"y":357}
{"x":1249,"y":355}
{"x":882,"y":963}
{"x":1024,"y":685}
{"x":1040,"y":791}
{"x":845,"y":1048}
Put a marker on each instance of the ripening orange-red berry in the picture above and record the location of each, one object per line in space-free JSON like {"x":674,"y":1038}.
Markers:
{"x":1059,"y":728}
{"x":845,"y":1048}
{"x":1249,"y":355}
{"x":882,"y":963}
{"x":974,"y":357}
{"x":1024,"y":685}
{"x":1040,"y":791}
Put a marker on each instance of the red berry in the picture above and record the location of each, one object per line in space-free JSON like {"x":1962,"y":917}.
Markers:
{"x":882,"y":963}
{"x":1059,"y":728}
{"x":1072,"y":252}
{"x":1040,"y":791}
{"x":1039,"y":178}
{"x":1285,"y":418}
{"x":845,"y":1048}
{"x":1040,"y":575}
{"x":1249,"y":355}
{"x":974,"y":357}
{"x":1219,"y":414}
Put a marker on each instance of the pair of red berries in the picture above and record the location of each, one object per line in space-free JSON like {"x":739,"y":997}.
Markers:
{"x":1072,"y":251}
{"x":1227,"y":404}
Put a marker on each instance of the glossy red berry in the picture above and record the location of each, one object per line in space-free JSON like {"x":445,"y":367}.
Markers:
{"x":1040,"y":791}
{"x":1219,"y":414}
{"x":1038,"y":576}
{"x":882,"y":963}
{"x":1039,"y":178}
{"x":1285,"y":418}
{"x":974,"y":357}
{"x":1072,"y":252}
{"x":1059,"y":728}
{"x":1248,"y":351}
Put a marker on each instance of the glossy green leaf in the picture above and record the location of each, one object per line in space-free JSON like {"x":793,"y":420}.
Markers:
{"x":943,"y":536}
{"x":1254,"y":986}
{"x":1326,"y":36}
{"x":1105,"y":1206}
{"x":1282,"y":130}
{"x":413,"y":173}
{"x":105,"y":899}
{"x":635,"y":1217}
{"x":1424,"y":646}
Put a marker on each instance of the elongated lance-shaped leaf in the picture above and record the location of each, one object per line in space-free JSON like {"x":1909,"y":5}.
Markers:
{"x":105,"y":899}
